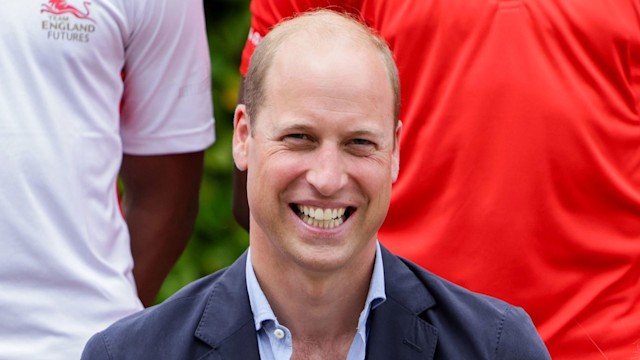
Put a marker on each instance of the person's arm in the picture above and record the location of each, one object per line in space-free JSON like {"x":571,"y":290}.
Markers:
{"x":160,"y":204}
{"x":240,"y":203}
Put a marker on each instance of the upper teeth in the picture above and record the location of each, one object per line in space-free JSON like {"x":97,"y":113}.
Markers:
{"x":322,"y":214}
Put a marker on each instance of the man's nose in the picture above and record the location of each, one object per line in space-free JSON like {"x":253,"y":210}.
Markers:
{"x":327,"y":171}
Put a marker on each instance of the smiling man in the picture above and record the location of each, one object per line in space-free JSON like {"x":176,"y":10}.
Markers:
{"x":318,"y":135}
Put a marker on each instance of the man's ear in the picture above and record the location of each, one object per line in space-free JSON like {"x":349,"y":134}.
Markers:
{"x":241,"y":135}
{"x":395,"y":162}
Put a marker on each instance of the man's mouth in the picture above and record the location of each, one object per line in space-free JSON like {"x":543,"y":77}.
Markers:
{"x":320,"y":217}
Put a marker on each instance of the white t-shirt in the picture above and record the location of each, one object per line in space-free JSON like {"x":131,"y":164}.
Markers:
{"x":80,"y":83}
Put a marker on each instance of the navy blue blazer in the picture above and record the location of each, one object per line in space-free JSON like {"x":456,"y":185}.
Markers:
{"x":424,"y":317}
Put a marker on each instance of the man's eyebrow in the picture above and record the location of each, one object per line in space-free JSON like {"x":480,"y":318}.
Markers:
{"x":295,"y":126}
{"x":311,"y":125}
{"x":366,"y":132}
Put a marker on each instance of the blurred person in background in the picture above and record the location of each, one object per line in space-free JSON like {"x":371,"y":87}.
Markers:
{"x":519,"y":155}
{"x":91,"y":90}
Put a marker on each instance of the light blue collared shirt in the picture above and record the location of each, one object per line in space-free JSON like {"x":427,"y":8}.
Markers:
{"x":274,"y":340}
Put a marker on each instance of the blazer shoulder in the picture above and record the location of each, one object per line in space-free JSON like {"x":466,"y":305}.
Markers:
{"x":158,"y":331}
{"x":482,"y":324}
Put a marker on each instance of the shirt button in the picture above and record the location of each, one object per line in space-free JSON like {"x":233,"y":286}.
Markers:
{"x":278,"y":333}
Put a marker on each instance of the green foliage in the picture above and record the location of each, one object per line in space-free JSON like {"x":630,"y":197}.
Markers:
{"x":217,"y":239}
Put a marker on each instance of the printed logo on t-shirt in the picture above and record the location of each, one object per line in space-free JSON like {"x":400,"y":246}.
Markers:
{"x":68,"y":22}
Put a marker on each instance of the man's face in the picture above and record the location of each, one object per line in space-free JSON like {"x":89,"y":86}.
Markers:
{"x":320,"y":157}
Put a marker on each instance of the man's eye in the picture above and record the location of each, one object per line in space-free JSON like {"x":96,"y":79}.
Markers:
{"x":297,"y":136}
{"x":361,"y":142}
{"x":361,"y":147}
{"x":298,"y":139}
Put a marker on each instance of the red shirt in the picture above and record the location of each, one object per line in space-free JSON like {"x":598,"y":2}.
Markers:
{"x":520,"y":155}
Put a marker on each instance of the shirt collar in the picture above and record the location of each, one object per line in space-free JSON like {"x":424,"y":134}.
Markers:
{"x":259,"y":304}
{"x":262,"y":310}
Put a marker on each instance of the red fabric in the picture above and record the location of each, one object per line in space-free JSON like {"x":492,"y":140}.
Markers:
{"x":520,"y":156}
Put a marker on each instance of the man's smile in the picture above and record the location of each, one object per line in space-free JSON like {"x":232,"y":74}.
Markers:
{"x":322,"y":218}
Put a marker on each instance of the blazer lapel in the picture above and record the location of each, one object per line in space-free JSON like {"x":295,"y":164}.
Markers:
{"x":395,"y":329}
{"x":227,"y":322}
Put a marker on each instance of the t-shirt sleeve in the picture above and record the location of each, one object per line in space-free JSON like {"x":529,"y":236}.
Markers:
{"x":166,"y":106}
{"x":265,"y":14}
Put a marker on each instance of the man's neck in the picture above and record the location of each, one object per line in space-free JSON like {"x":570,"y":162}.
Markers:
{"x":320,"y":310}
{"x":322,"y":317}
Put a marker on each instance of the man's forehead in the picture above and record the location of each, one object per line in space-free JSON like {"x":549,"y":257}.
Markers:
{"x":337,"y":67}
{"x":323,"y":48}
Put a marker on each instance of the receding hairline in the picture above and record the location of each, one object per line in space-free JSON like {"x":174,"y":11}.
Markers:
{"x":316,"y":24}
